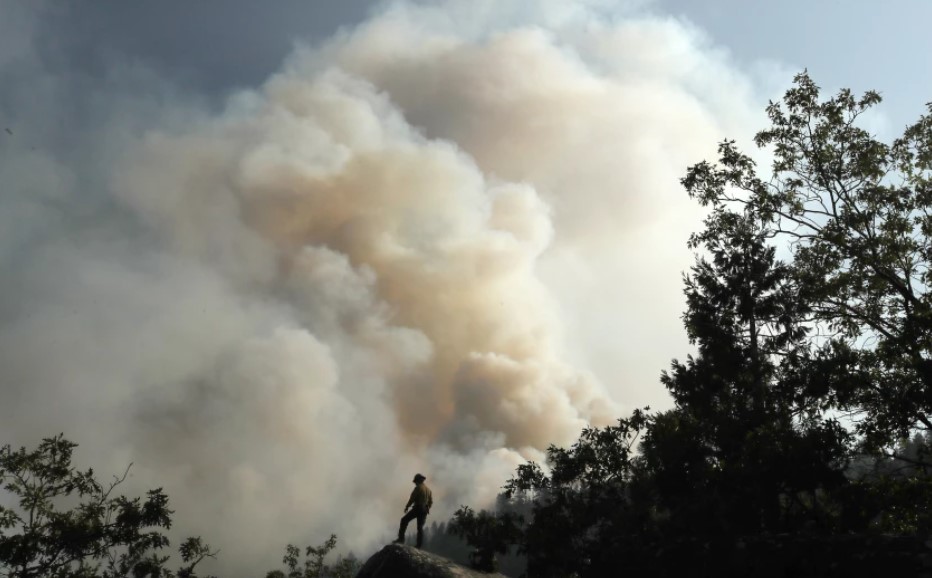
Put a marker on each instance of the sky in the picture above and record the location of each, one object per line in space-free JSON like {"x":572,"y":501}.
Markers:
{"x":282,"y":256}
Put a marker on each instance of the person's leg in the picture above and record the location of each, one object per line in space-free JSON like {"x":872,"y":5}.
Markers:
{"x":421,"y":518}
{"x":403,"y":525}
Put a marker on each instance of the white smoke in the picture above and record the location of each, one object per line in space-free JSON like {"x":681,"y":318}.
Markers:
{"x":439,"y":242}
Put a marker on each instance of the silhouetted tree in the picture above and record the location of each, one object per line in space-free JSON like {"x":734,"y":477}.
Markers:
{"x":438,"y":541}
{"x":98,"y":534}
{"x":314,"y":565}
{"x":487,"y":533}
{"x":843,"y":327}
{"x":857,"y":213}
{"x":747,"y":437}
{"x":585,"y":505}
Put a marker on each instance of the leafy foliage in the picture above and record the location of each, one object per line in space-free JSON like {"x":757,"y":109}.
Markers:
{"x":756,"y":434}
{"x":488,"y":534}
{"x":794,"y":416}
{"x":314,"y":565}
{"x":99,"y":534}
{"x":586,"y":503}
{"x":745,"y":450}
{"x":857,"y":215}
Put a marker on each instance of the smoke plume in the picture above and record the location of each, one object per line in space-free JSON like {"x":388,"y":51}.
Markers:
{"x":437,"y":242}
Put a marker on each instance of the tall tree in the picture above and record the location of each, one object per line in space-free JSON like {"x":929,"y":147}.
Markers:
{"x":746,"y":433}
{"x":743,"y":313}
{"x":857,"y":215}
{"x":754,"y":445}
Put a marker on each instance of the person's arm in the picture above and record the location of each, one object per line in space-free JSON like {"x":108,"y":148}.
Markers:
{"x":410,"y":500}
{"x":430,"y":499}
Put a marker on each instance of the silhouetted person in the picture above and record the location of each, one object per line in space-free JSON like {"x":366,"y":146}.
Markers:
{"x":420,"y":502}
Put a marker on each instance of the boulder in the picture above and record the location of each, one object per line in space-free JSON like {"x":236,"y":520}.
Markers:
{"x":399,"y":561}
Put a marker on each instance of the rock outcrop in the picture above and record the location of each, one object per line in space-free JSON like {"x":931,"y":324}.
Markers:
{"x":397,"y":561}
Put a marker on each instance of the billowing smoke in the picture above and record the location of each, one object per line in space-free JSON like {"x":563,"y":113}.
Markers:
{"x":438,"y":242}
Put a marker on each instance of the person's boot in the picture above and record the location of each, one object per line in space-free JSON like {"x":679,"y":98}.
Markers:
{"x":399,"y":540}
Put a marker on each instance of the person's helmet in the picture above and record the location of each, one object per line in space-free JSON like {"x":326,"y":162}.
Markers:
{"x":418,"y":478}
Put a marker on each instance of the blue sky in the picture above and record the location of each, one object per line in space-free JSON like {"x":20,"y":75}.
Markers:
{"x":858,"y":44}
{"x":213,"y":46}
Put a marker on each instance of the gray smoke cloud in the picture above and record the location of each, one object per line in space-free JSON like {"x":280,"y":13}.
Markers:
{"x":437,"y":242}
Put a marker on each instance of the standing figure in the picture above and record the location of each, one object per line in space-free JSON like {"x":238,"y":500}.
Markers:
{"x":420,"y":502}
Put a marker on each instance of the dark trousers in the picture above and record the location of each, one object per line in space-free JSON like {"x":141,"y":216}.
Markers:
{"x":413,"y":513}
